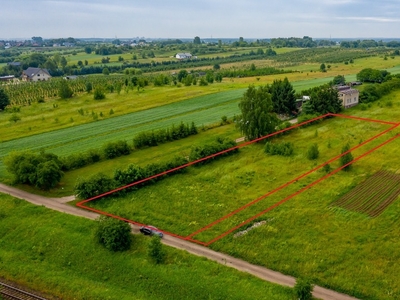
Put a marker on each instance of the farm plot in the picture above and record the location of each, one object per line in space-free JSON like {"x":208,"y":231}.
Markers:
{"x":190,"y":203}
{"x":201,"y":110}
{"x":372,"y":196}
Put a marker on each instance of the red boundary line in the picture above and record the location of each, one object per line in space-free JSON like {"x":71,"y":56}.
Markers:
{"x":303,"y":189}
{"x":288,"y":183}
{"x":81,"y":203}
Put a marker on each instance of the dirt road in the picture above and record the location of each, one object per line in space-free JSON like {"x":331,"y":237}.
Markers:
{"x":59,"y":204}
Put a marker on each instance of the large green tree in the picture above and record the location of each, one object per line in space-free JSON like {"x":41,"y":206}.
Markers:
{"x":197,"y":40}
{"x":258,"y":117}
{"x":4,"y":100}
{"x":283,"y":96}
{"x":113,"y":234}
{"x":325,"y":99}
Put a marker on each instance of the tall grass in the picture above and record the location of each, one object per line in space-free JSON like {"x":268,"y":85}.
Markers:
{"x":57,"y":254}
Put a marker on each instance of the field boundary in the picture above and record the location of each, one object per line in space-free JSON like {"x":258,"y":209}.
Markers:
{"x":82,"y":203}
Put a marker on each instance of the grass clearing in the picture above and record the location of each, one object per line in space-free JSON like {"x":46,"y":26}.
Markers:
{"x":57,"y":254}
{"x":343,"y":250}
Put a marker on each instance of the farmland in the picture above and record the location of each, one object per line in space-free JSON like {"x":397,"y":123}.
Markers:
{"x":307,"y":236}
{"x":373,"y":195}
{"x":331,"y":237}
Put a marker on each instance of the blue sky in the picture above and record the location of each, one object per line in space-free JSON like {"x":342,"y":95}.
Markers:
{"x":204,"y":18}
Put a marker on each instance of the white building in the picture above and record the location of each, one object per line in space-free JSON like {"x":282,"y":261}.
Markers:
{"x":35,"y":74}
{"x":183,"y":56}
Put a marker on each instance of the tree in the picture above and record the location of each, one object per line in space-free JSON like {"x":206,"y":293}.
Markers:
{"x":42,"y":170}
{"x":99,"y":94}
{"x":338,"y":80}
{"x":322,"y":67}
{"x":313,"y":152}
{"x":303,"y":289}
{"x":156,"y":250}
{"x":106,"y":71}
{"x":4,"y":100}
{"x":216,"y":67}
{"x":347,"y":158}
{"x":48,"y":174}
{"x":197,"y":40}
{"x":63,"y":62}
{"x":113,"y":234}
{"x":283,"y":96}
{"x":325,"y":99}
{"x":372,"y":75}
{"x":88,"y":50}
{"x":182,"y":74}
{"x":64,"y":91}
{"x":257,"y":117}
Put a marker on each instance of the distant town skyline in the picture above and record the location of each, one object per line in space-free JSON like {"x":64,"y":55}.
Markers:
{"x":203,"y":18}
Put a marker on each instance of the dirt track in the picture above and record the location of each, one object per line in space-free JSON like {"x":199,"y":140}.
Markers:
{"x":59,"y":204}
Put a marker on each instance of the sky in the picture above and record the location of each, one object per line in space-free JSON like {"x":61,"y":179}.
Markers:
{"x":203,"y":18}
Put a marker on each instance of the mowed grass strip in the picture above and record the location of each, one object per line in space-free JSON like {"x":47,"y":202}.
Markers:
{"x":372,"y":196}
{"x":57,"y":254}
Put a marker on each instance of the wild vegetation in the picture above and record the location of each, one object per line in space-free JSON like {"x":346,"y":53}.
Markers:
{"x":41,"y":248}
{"x":186,"y":202}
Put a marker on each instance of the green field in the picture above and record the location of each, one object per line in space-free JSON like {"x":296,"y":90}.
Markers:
{"x":202,"y":110}
{"x":339,"y":249}
{"x":57,"y":254}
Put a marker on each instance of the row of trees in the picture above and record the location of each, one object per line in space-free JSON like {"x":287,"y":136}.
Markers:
{"x":260,"y":106}
{"x":100,"y":183}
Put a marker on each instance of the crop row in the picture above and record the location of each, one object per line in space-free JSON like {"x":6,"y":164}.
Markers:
{"x":373,"y":195}
{"x":201,"y":110}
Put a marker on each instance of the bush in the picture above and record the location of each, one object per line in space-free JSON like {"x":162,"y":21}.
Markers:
{"x":64,"y":91}
{"x":153,"y":138}
{"x":283,"y":149}
{"x":345,"y":159}
{"x":156,"y":250}
{"x":116,"y":149}
{"x":303,"y":289}
{"x":41,"y":170}
{"x":219,"y":145}
{"x":113,"y":234}
{"x":99,"y":94}
{"x":313,"y":152}
{"x":93,"y":186}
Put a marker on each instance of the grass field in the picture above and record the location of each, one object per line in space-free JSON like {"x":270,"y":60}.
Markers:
{"x":339,"y":249}
{"x":57,"y":254}
{"x":202,"y":110}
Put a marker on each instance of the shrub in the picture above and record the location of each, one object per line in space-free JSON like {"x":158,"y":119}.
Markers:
{"x":283,"y":149}
{"x":156,"y":250}
{"x":219,"y":145}
{"x":113,"y":234}
{"x":99,"y":94}
{"x":313,"y":152}
{"x":345,"y":159}
{"x":116,"y":149}
{"x":303,"y":289}
{"x":93,"y":186}
{"x":64,"y":91}
{"x":41,"y":170}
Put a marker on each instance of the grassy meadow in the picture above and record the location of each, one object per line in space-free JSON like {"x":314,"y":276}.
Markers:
{"x":305,"y":236}
{"x":57,"y":254}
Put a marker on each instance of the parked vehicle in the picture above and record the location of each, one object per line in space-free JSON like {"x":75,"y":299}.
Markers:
{"x":151,"y":230}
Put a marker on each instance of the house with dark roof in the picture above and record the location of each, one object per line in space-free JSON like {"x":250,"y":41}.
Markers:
{"x":348,"y":96}
{"x":35,"y":74}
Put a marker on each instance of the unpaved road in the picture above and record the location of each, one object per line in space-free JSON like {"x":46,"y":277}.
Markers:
{"x":59,"y":204}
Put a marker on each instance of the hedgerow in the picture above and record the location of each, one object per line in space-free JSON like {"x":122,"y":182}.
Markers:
{"x":101,"y":183}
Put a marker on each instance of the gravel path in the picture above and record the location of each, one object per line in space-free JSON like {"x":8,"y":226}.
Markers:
{"x":59,"y":204}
